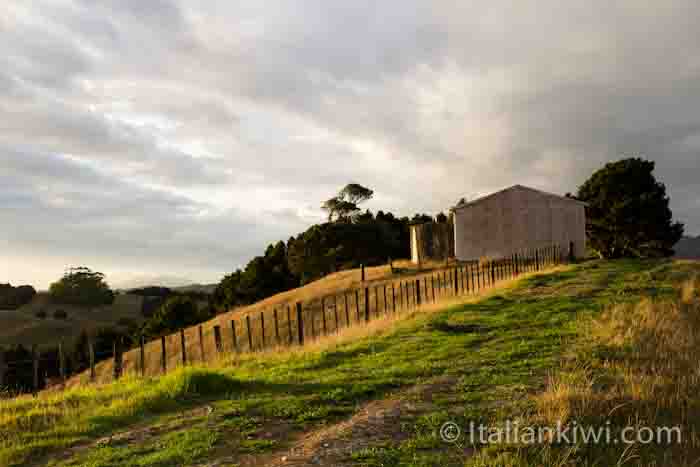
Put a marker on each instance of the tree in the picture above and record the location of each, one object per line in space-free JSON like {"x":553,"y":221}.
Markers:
{"x":628,"y":212}
{"x":176,"y":313}
{"x":12,"y":298}
{"x":81,"y":286}
{"x":344,"y":206}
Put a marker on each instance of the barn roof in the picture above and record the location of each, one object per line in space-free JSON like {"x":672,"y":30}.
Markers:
{"x":512,"y":188}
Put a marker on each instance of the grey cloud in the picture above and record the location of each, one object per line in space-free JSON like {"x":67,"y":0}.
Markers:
{"x":168,"y":128}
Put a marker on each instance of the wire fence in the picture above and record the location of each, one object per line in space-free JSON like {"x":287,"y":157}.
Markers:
{"x":290,"y":324}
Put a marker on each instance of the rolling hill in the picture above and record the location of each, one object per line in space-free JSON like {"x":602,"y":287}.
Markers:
{"x":576,"y":343}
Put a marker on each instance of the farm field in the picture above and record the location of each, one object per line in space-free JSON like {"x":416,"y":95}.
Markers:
{"x":378,"y":396}
{"x":22,"y":326}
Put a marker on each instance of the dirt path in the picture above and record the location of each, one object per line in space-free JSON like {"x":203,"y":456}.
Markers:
{"x":376,"y":423}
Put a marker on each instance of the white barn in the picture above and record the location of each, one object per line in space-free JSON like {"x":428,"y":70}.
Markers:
{"x":516,"y":219}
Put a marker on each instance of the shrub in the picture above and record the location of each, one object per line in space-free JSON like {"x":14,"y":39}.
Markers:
{"x":12,"y":298}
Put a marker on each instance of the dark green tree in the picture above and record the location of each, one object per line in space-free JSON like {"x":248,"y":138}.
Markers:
{"x":176,"y":313}
{"x":81,"y":286}
{"x":345,"y":205}
{"x":12,"y":298}
{"x":628,"y":212}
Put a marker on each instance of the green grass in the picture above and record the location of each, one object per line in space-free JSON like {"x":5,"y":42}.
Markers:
{"x":498,"y":351}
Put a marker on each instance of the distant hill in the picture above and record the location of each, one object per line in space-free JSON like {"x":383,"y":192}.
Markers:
{"x":688,"y":247}
{"x":27,"y":325}
{"x":140,"y":282}
{"x":199,"y":288}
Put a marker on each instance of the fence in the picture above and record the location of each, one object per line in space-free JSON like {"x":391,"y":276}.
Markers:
{"x":298,"y":323}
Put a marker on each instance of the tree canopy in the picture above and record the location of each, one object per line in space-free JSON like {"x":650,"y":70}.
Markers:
{"x":12,"y":298}
{"x":628,"y":212}
{"x":81,"y":286}
{"x":345,"y":205}
{"x":179,"y":311}
{"x":354,"y":238}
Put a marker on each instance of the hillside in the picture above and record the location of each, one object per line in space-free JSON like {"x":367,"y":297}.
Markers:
{"x":332,"y":287}
{"x":557,"y":345}
{"x":22,"y":326}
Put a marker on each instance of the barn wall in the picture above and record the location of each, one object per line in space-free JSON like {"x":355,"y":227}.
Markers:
{"x":516,"y":220}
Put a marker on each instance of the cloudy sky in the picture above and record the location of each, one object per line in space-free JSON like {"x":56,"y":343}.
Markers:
{"x":175,"y":139}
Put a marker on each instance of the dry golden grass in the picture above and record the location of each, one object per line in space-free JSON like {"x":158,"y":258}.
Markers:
{"x":343,"y":300}
{"x":648,"y":375}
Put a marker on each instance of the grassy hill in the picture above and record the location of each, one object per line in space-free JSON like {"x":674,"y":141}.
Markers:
{"x":593,"y":343}
{"x":22,"y":326}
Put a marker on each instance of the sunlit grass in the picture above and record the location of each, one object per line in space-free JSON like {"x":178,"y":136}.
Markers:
{"x":496,"y":346}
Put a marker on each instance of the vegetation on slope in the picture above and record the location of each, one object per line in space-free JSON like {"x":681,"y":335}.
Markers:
{"x":12,"y":298}
{"x":493,"y":351}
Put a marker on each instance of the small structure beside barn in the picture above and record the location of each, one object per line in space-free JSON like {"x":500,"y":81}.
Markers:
{"x":432,"y":241}
{"x":513,"y":220}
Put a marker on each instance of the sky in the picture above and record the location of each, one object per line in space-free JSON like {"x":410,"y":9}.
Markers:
{"x":173,"y":140}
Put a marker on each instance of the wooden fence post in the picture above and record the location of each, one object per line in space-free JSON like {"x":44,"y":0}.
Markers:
{"x":163,"y":356}
{"x":323,"y":316}
{"x":262,"y":327}
{"x":118,"y":359}
{"x":91,"y":351}
{"x":335,"y":313}
{"x":376,"y":301}
{"x":116,"y":349}
{"x":201,"y":344}
{"x":313,"y":322}
{"x":183,"y":347}
{"x":142,"y":360}
{"x":61,"y":363}
{"x":300,"y":324}
{"x":217,"y":339}
{"x":3,"y":367}
{"x":347,"y":309}
{"x":357,"y":304}
{"x":277,"y":326}
{"x":393,"y":299}
{"x":234,"y":335}
{"x":456,"y":282}
{"x":250,"y":334}
{"x":386,"y":308}
{"x":289,"y":324}
{"x":366,"y":304}
{"x":35,"y":368}
{"x":418,"y":300}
